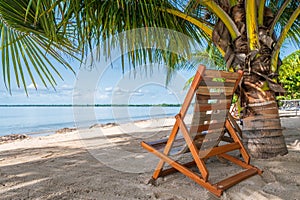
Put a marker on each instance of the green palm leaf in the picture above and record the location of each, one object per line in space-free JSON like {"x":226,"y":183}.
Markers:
{"x":31,"y":41}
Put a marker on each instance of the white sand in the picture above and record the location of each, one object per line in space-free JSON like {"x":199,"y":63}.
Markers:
{"x":109,"y":163}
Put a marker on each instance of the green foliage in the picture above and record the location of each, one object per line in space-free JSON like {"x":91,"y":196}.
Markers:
{"x":289,"y":76}
{"x":29,"y":38}
{"x":210,"y":57}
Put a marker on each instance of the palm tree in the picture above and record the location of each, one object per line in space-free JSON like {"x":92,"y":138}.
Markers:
{"x":247,"y":33}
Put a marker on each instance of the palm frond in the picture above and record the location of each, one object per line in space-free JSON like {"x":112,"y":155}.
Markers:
{"x":98,"y":21}
{"x":29,"y":39}
{"x":288,"y":30}
{"x":284,"y":10}
{"x":211,"y":57}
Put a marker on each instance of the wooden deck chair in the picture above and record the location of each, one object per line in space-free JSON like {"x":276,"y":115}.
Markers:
{"x":213,"y":91}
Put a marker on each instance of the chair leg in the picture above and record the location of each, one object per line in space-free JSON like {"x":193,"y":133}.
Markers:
{"x":236,"y":126}
{"x":166,"y":151}
{"x":239,"y":162}
{"x":194,"y":151}
{"x":235,"y":138}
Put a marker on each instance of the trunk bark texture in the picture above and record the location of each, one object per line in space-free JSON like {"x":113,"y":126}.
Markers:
{"x":262,"y":132}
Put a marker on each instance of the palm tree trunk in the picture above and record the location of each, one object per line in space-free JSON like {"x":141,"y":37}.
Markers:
{"x":262,"y":132}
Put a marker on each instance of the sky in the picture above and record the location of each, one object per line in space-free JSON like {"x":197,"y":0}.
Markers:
{"x":106,"y":84}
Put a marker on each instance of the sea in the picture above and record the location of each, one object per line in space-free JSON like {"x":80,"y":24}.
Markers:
{"x":45,"y":120}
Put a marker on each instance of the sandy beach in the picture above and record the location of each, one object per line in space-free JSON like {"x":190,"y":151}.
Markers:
{"x":107,"y":162}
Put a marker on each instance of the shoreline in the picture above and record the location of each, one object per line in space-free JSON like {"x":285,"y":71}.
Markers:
{"x":282,"y":114}
{"x":64,"y":130}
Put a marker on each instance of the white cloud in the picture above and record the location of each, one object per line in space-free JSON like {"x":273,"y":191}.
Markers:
{"x":76,"y":93}
{"x":119,"y":91}
{"x":67,"y":87}
{"x":108,"y":89}
{"x":170,"y":92}
{"x":137,"y":93}
{"x":31,"y":86}
{"x":101,"y":96}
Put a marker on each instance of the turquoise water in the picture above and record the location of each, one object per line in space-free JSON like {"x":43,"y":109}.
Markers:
{"x":39,"y":120}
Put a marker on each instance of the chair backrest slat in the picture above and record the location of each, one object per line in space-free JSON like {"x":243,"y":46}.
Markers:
{"x":208,"y":116}
{"x":221,"y":74}
{"x":217,"y":106}
{"x":213,"y":97}
{"x":212,"y":83}
{"x":205,"y":127}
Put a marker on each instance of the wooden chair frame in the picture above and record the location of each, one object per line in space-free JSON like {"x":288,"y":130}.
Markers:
{"x":198,"y":157}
